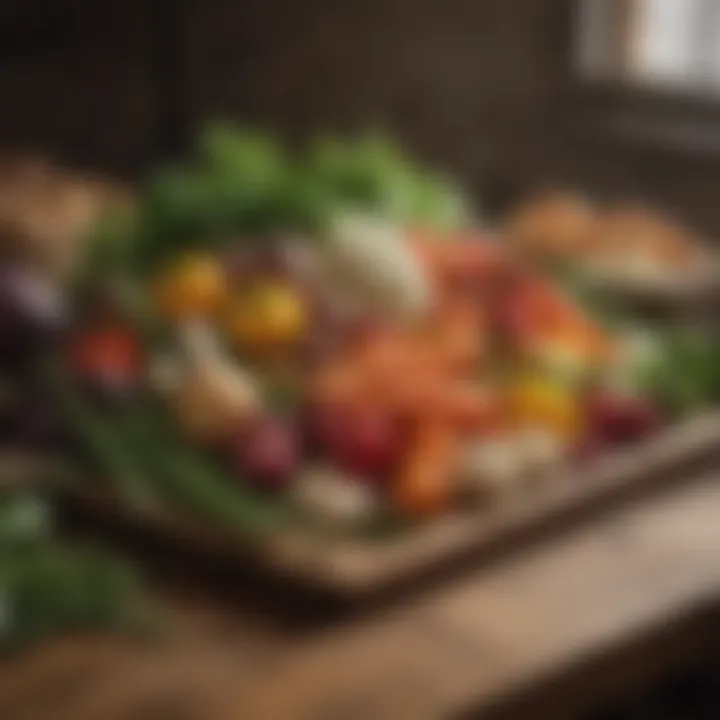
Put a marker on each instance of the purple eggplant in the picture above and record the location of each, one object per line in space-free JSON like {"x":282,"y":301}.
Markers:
{"x":32,"y":315}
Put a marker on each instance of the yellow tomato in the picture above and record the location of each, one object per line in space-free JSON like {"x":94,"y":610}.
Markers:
{"x":268,"y":316}
{"x":194,"y":287}
{"x":536,"y":401}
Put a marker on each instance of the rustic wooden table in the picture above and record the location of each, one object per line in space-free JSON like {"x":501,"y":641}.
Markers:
{"x":552,"y":629}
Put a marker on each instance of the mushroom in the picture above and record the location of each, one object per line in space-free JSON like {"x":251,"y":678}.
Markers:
{"x":210,"y":393}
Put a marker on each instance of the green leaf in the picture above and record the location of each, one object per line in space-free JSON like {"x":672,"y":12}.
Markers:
{"x":107,"y":446}
{"x":243,"y":184}
{"x":195,"y":483}
{"x":686,"y":377}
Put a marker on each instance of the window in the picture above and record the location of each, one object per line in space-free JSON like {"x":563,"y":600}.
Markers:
{"x":670,"y":44}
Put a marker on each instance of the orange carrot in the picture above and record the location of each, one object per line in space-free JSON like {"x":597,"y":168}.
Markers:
{"x":340,"y":382}
{"x":424,"y":485}
{"x":387,"y":353}
{"x":410,"y":394}
{"x":470,"y":257}
{"x":468,"y":407}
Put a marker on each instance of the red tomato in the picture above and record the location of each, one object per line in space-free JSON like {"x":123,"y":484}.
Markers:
{"x":112,"y":352}
{"x":360,"y":441}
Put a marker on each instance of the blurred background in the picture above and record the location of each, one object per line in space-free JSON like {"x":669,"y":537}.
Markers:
{"x":618,"y":96}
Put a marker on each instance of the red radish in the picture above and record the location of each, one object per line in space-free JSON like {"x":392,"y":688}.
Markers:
{"x":358,"y":441}
{"x":267,"y":452}
{"x":622,"y":419}
{"x":108,"y":359}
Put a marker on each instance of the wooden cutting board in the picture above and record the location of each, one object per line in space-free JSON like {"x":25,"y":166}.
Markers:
{"x":356,"y":567}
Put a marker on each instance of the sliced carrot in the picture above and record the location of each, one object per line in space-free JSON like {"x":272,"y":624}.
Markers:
{"x":424,"y":485}
{"x":410,"y":395}
{"x":469,"y":408}
{"x":470,"y":257}
{"x":339,"y":383}
{"x":387,"y":353}
{"x":461,"y":345}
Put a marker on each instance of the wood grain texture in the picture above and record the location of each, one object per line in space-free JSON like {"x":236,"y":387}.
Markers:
{"x":494,"y":633}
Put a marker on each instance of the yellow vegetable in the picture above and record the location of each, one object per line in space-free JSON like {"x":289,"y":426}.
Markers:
{"x":195,"y":286}
{"x":540,"y":402}
{"x":267,"y":316}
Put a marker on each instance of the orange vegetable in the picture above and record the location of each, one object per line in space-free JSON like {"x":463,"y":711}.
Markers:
{"x":543,"y":403}
{"x":414,"y":395}
{"x":386,"y":353}
{"x":584,"y":339}
{"x":267,"y":316}
{"x":425,"y":482}
{"x":339,"y":383}
{"x":469,"y":256}
{"x":463,"y":257}
{"x":457,"y":341}
{"x":469,"y":408}
{"x":427,"y":246}
{"x":194,"y":287}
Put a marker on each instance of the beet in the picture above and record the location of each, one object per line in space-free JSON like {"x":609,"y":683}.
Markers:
{"x":621,"y":419}
{"x":360,"y":442}
{"x":267,"y":453}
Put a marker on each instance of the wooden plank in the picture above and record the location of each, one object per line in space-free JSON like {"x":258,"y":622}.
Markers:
{"x":355,"y":567}
{"x":494,"y":633}
{"x":515,"y":624}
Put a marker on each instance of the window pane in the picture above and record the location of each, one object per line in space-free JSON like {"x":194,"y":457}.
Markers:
{"x":664,"y":41}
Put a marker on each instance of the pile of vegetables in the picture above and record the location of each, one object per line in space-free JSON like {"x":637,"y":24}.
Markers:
{"x":327,"y":337}
{"x":242,"y":184}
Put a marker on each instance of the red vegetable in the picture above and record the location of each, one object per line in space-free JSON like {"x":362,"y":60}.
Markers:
{"x":110,"y":356}
{"x":358,"y":441}
{"x":268,"y":453}
{"x":622,"y":419}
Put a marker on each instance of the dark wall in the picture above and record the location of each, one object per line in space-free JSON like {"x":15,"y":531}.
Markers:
{"x":74,"y":79}
{"x":457,"y":80}
{"x":453,"y":79}
{"x":480,"y":87}
{"x":676,"y":168}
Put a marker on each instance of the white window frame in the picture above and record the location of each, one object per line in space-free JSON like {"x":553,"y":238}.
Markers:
{"x":625,"y":42}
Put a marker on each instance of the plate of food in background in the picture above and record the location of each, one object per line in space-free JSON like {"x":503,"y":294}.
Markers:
{"x":630,"y":250}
